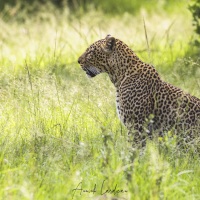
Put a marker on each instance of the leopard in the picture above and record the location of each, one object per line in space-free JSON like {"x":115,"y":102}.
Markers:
{"x":145,"y":103}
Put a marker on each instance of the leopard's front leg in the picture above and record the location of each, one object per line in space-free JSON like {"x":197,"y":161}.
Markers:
{"x":136,"y":136}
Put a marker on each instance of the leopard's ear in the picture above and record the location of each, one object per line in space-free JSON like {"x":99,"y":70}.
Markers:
{"x":109,"y":45}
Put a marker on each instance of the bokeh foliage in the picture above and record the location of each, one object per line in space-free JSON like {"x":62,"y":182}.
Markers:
{"x":195,"y":10}
{"x":111,"y":6}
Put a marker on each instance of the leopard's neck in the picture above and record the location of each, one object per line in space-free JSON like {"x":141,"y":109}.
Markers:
{"x":123,"y":68}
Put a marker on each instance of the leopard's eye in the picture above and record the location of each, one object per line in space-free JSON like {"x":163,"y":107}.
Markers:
{"x":90,"y":55}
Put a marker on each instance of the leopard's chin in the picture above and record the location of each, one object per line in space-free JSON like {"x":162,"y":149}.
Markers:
{"x":90,"y":74}
{"x":91,"y":71}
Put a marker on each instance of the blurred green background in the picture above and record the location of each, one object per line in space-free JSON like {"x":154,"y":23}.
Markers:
{"x":113,"y":7}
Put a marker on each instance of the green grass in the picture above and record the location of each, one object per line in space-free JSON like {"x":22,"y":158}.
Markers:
{"x":59,"y":128}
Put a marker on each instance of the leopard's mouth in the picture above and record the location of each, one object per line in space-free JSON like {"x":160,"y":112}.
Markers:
{"x":91,"y":71}
{"x":90,"y":74}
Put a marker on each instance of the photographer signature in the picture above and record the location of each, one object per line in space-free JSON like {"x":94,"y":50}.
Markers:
{"x":80,"y":190}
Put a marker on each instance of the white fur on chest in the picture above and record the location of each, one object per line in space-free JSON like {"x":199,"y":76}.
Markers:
{"x":119,"y":110}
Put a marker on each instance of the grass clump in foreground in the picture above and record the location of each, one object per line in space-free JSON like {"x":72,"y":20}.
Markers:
{"x":60,"y":131}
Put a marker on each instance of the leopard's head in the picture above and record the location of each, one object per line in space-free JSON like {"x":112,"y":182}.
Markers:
{"x":95,"y":59}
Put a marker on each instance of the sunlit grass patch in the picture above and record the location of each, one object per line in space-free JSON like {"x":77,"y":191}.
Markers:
{"x":167,"y":177}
